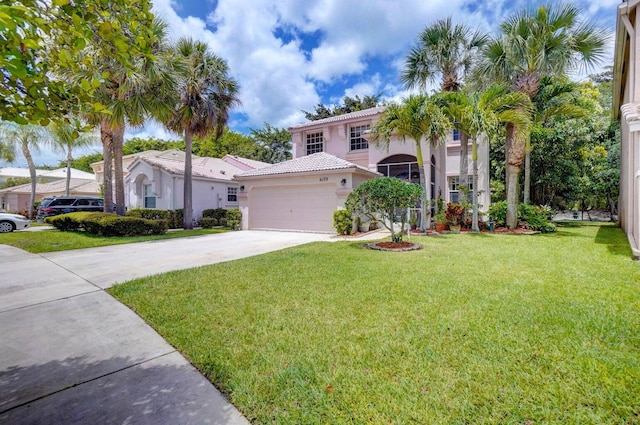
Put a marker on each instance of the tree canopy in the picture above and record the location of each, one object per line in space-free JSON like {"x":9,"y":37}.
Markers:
{"x":349,"y":104}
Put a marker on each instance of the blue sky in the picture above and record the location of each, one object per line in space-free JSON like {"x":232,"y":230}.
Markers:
{"x":289,"y":55}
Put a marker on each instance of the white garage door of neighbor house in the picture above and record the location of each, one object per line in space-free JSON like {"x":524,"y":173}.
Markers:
{"x":303,"y":208}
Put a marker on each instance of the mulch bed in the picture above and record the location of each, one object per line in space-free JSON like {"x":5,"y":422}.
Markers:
{"x":394,"y":246}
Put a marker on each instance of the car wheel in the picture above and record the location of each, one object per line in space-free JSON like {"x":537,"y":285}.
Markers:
{"x":6,"y":227}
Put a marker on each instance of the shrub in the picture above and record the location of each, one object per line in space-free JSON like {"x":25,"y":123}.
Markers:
{"x":536,"y":218}
{"x":176,"y":219}
{"x":498,"y":212}
{"x":149,"y":214}
{"x":343,"y":222}
{"x":208,"y":213}
{"x":234,"y":217}
{"x":114,"y":225}
{"x":454,"y":214}
{"x":208,"y":222}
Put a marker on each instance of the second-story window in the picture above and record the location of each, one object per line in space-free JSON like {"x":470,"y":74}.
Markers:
{"x":315,"y":143}
{"x":356,"y":141}
{"x":456,"y":135}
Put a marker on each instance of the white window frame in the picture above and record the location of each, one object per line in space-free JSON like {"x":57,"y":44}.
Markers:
{"x":314,"y":143}
{"x":356,"y":141}
{"x":148,"y":195}
{"x":232,"y":194}
{"x":452,"y":185}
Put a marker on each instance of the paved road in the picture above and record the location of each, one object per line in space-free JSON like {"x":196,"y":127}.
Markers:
{"x":71,"y":354}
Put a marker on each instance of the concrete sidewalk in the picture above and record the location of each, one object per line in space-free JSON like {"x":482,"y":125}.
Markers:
{"x":71,"y":354}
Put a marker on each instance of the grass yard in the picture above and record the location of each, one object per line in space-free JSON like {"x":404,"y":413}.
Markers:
{"x":482,"y":329}
{"x":55,"y":240}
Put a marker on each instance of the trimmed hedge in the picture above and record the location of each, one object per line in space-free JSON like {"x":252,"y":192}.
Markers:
{"x":107,"y":224}
{"x":174,"y":218}
{"x":343,"y":222}
{"x":234,"y":218}
{"x":208,"y":222}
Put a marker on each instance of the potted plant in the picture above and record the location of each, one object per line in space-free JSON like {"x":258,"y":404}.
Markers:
{"x":440,"y":220}
{"x":454,"y":214}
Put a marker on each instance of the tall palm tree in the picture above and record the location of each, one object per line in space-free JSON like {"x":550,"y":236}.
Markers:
{"x":131,"y":97}
{"x":478,"y":115}
{"x":550,"y":40}
{"x":447,"y":51}
{"x":65,"y":137}
{"x":27,"y":138}
{"x":207,"y":93}
{"x":417,"y":118}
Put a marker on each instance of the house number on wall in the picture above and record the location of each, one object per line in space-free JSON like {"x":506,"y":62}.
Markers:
{"x":324,"y":179}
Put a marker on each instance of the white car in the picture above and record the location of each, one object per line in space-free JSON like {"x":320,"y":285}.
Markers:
{"x":11,"y":222}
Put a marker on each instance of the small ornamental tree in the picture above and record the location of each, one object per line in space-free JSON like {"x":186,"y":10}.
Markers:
{"x":380,"y":199}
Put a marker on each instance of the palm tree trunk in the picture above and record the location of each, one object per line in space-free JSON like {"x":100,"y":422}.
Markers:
{"x":514,"y":164}
{"x":118,"y":141}
{"x":423,"y":183}
{"x":68,"y":179}
{"x":32,"y":174}
{"x":527,"y":176}
{"x":463,"y":179}
{"x":188,"y":192}
{"x":106,"y":135}
{"x":474,"y":156}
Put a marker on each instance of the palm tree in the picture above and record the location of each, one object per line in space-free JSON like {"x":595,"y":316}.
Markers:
{"x":447,"y":51}
{"x":27,"y":137}
{"x":66,"y":138}
{"x":534,"y":43}
{"x":478,"y":115}
{"x":130,"y":98}
{"x":417,"y":118}
{"x":207,"y":93}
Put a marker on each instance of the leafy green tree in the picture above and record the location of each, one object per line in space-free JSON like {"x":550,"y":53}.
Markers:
{"x":550,"y":40}
{"x":27,"y":138}
{"x":275,"y":143}
{"x":207,"y":93}
{"x":382,"y":198}
{"x":418,"y":118}
{"x":15,"y":181}
{"x":44,"y":40}
{"x":66,"y":138}
{"x":349,"y":104}
{"x":229,"y":142}
{"x":83,"y":162}
{"x":137,"y":144}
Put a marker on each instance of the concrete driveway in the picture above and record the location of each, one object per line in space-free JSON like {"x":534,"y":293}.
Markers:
{"x":71,"y":354}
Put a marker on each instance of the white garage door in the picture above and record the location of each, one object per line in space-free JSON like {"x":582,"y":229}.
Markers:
{"x":307,"y":208}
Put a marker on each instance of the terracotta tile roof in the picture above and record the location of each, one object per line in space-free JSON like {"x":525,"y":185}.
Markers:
{"x":210,"y":168}
{"x":58,"y":187}
{"x":353,"y":115}
{"x":320,"y":161}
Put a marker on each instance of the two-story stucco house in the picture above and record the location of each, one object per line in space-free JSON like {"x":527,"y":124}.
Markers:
{"x":626,"y":108}
{"x":331,"y":157}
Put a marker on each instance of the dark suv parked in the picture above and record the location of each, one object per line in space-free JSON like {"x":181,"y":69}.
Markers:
{"x":67,"y":204}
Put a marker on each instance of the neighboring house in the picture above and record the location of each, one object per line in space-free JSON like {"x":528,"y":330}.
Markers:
{"x":42,"y":176}
{"x":626,"y":108}
{"x":155,"y":179}
{"x":16,"y":198}
{"x":300,"y":194}
{"x":345,"y":136}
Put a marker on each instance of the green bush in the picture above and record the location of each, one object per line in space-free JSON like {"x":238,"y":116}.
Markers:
{"x":114,"y":225}
{"x":537,"y":218}
{"x":343,"y":222}
{"x":498,"y":213}
{"x":234,"y":218}
{"x":176,"y":219}
{"x":149,"y":214}
{"x":208,"y":222}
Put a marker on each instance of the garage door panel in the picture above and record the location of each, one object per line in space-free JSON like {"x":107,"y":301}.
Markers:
{"x":307,"y":208}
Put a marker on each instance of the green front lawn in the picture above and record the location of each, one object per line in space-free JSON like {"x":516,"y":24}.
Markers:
{"x":55,"y":240}
{"x":491,"y":329}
